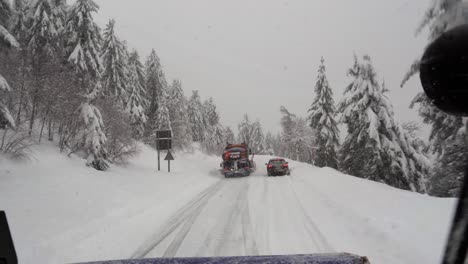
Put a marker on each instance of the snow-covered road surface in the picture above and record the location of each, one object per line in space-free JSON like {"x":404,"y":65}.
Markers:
{"x":237,"y":217}
{"x":70,"y":213}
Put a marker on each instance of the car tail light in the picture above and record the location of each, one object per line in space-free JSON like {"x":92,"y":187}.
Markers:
{"x":285,"y":165}
{"x":270,"y":166}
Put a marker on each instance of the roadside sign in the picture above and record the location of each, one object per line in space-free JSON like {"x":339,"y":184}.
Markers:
{"x":169,"y":156}
{"x":164,"y":134}
{"x":164,"y":144}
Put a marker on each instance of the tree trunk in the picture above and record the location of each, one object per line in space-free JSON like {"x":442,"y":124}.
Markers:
{"x":23,"y":77}
{"x":3,"y":138}
{"x":43,"y":124}
{"x":51,"y":134}
{"x":20,"y":107}
{"x":33,"y":116}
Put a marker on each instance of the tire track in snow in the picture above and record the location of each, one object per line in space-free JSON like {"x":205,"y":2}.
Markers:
{"x":250,"y":245}
{"x":239,"y":216}
{"x":172,"y":249}
{"x":266,"y":215}
{"x":187,"y":214}
{"x":322,"y":244}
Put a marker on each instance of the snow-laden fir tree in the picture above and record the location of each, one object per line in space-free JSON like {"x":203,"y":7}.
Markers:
{"x":287,"y":125}
{"x":449,"y":171}
{"x":156,"y":87}
{"x":178,"y":114}
{"x":252,"y":134}
{"x":94,"y":136}
{"x":214,"y":139}
{"x":197,"y":118}
{"x":114,"y":60}
{"x":376,"y":146}
{"x":441,"y":16}
{"x":258,"y":138}
{"x":244,"y":127}
{"x":163,"y":118}
{"x":229,"y":136}
{"x":19,"y":29}
{"x":215,"y":130}
{"x":7,"y":41}
{"x":322,"y":120}
{"x":59,"y":11}
{"x":83,"y":42}
{"x":270,"y":144}
{"x":134,"y":59}
{"x":296,"y":140}
{"x":43,"y":33}
{"x":302,"y":141}
{"x":45,"y":53}
{"x":134,"y":101}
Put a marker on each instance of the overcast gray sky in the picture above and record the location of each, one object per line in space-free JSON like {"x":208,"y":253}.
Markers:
{"x":252,"y":56}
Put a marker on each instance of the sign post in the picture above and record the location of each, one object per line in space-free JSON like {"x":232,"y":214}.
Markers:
{"x":164,"y":142}
{"x":169,"y":157}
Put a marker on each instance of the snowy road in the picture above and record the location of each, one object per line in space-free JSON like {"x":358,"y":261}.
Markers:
{"x":71,"y":214}
{"x":239,"y":216}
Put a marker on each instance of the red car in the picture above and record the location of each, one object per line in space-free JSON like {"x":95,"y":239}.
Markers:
{"x":278,"y":167}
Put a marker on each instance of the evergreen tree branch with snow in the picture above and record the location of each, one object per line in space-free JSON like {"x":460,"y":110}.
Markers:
{"x":446,"y":130}
{"x":84,"y":43}
{"x":376,"y":147}
{"x":322,"y":121}
{"x":114,"y":57}
{"x":156,"y":87}
{"x":7,"y":41}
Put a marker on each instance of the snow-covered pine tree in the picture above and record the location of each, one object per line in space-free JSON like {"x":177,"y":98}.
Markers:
{"x":287,"y":125}
{"x":7,"y":41}
{"x":83,"y":46}
{"x":84,"y":43}
{"x":45,"y":53}
{"x":322,"y":120}
{"x":229,"y":136}
{"x":197,"y":118}
{"x":59,"y":11}
{"x":156,"y":87}
{"x":94,"y":136}
{"x":376,"y":147}
{"x":163,"y":119}
{"x":270,"y":144}
{"x":258,"y":138}
{"x":43,"y":32}
{"x":441,"y":16}
{"x":244,"y":128}
{"x":19,"y":30}
{"x":302,"y":141}
{"x":114,"y":60}
{"x":448,"y":173}
{"x":178,"y":115}
{"x":134,"y":102}
{"x":134,"y":59}
{"x":252,"y":134}
{"x":214,"y":140}
{"x":19,"y":27}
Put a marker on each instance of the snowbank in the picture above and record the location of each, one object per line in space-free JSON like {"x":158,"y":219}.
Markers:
{"x":61,"y":211}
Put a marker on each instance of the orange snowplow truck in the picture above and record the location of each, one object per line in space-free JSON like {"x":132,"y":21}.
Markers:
{"x":236,"y":160}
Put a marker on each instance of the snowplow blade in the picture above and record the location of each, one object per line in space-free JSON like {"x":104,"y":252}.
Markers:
{"x":342,"y":258}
